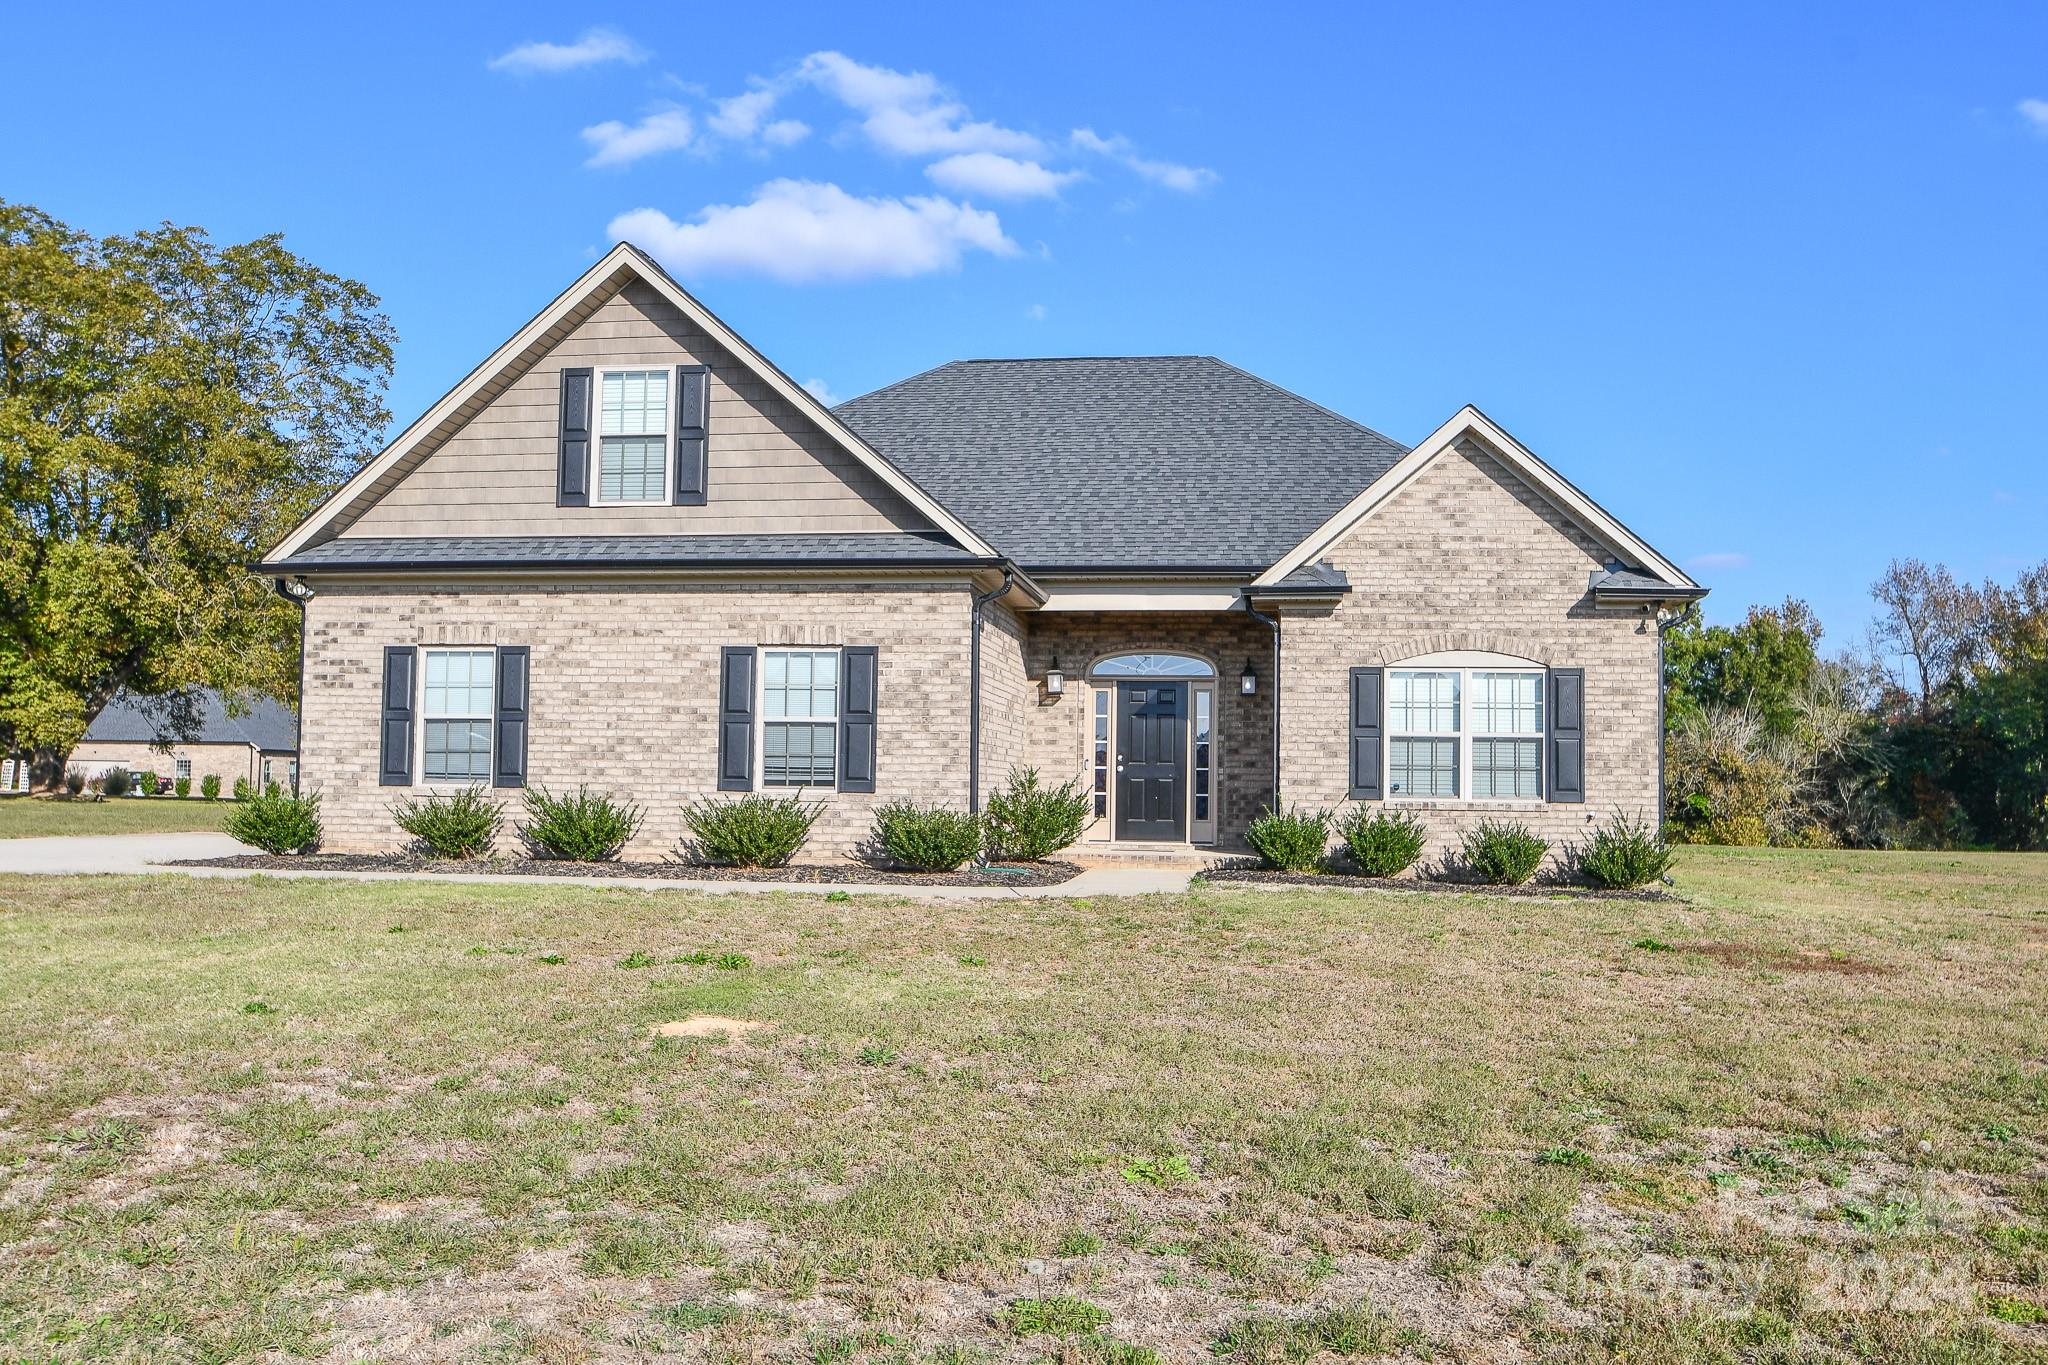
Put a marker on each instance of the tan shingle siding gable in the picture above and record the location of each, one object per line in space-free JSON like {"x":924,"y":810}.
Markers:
{"x":772,"y":471}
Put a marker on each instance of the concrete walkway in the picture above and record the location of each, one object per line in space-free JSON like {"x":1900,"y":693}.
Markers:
{"x":147,"y":853}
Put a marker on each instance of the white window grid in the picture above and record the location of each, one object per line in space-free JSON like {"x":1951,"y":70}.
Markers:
{"x":458,"y":703}
{"x":1465,"y":732}
{"x":632,"y":437}
{"x":799,"y":709}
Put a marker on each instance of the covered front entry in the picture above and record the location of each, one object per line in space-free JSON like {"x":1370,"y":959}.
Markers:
{"x":1151,"y":760}
{"x":1190,"y":764}
{"x":1155,"y":748}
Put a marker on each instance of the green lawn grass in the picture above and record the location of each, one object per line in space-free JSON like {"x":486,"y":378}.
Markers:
{"x":23,"y":817}
{"x":429,"y":1121}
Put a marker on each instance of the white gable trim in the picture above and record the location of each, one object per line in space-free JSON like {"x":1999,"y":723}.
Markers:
{"x":1470,"y":421}
{"x":622,"y":258}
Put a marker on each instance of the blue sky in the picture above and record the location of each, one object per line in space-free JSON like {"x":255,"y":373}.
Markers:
{"x":1768,"y":281}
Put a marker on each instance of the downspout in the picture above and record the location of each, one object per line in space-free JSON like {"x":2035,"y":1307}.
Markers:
{"x":300,"y":595}
{"x":1274,"y":623}
{"x":1665,"y":621}
{"x":981,"y":599}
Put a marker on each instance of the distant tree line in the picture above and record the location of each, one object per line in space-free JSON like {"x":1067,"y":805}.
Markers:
{"x":1934,"y":733}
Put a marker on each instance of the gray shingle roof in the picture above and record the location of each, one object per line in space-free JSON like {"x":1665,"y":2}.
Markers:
{"x":1319,"y":576}
{"x":1134,"y":461}
{"x":882,"y":549}
{"x":197,"y":716}
{"x":1626,"y":582}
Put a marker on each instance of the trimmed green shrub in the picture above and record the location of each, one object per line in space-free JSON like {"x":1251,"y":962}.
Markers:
{"x":1623,"y":854}
{"x":209,"y":786}
{"x":182,"y":786}
{"x":1384,"y":843}
{"x":1029,"y":823}
{"x":277,"y":824}
{"x":116,"y":782}
{"x":748,"y":831}
{"x":1291,"y":840}
{"x":458,"y":825}
{"x":271,"y":789}
{"x":589,"y":827}
{"x":147,"y":786}
{"x":927,"y":838}
{"x":74,"y":781}
{"x":1503,"y":852}
{"x":242,"y":789}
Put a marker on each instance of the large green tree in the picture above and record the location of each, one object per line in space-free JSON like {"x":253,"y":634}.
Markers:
{"x":168,"y":409}
{"x":1764,"y":666}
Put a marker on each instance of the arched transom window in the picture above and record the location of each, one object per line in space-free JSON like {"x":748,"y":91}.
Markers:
{"x":1153,"y":666}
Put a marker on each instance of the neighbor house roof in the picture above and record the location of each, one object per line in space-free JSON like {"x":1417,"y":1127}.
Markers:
{"x":1130,"y":462}
{"x":131,"y":720}
{"x":901,"y":549}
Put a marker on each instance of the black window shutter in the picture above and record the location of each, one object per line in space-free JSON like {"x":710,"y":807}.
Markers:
{"x":572,"y":456}
{"x":1567,"y":740}
{"x":693,"y":429}
{"x":508,"y":745}
{"x":394,"y":768}
{"x":857,"y":718}
{"x":736,"y":718}
{"x":1366,"y":784}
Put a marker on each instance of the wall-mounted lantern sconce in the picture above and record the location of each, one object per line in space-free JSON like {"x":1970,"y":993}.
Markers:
{"x":1055,"y":680}
{"x":1248,"y":681}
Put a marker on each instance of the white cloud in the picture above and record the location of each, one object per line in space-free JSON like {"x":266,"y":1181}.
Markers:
{"x":1718,"y":560}
{"x":2035,"y":112}
{"x":910,"y":113}
{"x":1036,"y":312}
{"x":1186,"y":179}
{"x":785,"y":131}
{"x":739,"y":116}
{"x":818,"y":389}
{"x":800,"y":231}
{"x":595,"y":46}
{"x":617,"y":144}
{"x":1000,"y":177}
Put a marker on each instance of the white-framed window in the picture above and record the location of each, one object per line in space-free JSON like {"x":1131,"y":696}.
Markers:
{"x":181,"y":769}
{"x":1424,"y":709}
{"x":799,"y":717}
{"x":457,"y":697}
{"x":632,"y":436}
{"x":1465,"y":725}
{"x":1507,"y":735}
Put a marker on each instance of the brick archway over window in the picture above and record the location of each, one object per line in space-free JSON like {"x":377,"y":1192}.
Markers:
{"x":1486,"y":641}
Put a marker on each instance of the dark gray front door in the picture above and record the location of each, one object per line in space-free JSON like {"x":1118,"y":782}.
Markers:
{"x":1151,"y":759}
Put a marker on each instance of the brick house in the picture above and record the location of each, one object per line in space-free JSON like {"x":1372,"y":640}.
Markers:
{"x":628,"y":551}
{"x":193,"y":735}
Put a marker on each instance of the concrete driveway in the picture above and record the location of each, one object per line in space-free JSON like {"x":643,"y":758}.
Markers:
{"x":111,"y":852}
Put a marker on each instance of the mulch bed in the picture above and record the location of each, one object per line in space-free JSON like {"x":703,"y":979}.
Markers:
{"x":995,"y":874}
{"x":1251,"y":872}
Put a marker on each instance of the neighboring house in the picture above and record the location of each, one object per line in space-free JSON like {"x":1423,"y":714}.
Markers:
{"x":259,"y":746}
{"x":628,"y":551}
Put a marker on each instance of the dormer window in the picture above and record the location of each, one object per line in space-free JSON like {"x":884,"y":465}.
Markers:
{"x":632,"y":451}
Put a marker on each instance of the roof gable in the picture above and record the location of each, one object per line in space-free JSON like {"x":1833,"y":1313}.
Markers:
{"x":1135,"y":463}
{"x":622,"y":267}
{"x":1582,"y":511}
